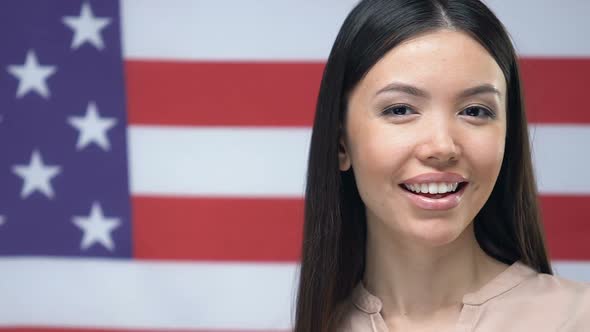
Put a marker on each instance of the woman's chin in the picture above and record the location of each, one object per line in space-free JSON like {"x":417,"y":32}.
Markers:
{"x":436,"y":233}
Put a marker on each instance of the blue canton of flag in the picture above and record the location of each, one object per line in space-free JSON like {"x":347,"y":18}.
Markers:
{"x":63,"y":150}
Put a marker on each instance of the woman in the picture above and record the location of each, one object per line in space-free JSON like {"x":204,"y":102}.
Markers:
{"x":420,"y":210}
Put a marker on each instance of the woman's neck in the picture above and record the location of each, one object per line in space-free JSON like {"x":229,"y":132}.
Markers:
{"x":419,"y":281}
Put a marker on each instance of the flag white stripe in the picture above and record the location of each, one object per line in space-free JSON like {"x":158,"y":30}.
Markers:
{"x":231,"y":29}
{"x":211,"y":161}
{"x":560,"y":158}
{"x":120,"y":294}
{"x":305,"y":29}
{"x":575,"y":270}
{"x":117,"y":294}
{"x":545,"y":27}
{"x":271,"y":162}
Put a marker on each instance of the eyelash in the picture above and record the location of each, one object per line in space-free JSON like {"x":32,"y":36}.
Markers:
{"x":487,"y":112}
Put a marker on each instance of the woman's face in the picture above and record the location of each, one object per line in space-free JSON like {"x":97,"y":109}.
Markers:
{"x":431,"y":114}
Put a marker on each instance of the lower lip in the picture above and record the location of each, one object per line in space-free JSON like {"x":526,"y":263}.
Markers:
{"x":445,"y":203}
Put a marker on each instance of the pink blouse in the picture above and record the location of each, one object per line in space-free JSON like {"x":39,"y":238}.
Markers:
{"x":518,"y":299}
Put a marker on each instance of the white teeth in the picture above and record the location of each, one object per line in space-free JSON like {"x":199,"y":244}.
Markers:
{"x":424,"y":188}
{"x":432,"y":188}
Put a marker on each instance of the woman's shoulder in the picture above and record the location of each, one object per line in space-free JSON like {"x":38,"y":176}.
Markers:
{"x":555,"y":287}
{"x":548,"y":298}
{"x":520,"y":281}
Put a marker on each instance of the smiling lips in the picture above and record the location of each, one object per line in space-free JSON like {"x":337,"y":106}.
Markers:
{"x":432,"y":188}
{"x":435,"y":191}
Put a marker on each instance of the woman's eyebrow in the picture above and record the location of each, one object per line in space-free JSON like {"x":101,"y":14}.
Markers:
{"x":404,"y":88}
{"x":484,"y":88}
{"x":412,"y":90}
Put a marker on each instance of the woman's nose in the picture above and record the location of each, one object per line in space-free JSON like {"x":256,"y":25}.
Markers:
{"x":439,"y":144}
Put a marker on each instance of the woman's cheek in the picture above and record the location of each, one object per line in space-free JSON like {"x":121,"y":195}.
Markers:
{"x":382,"y":151}
{"x":489,"y":148}
{"x":484,"y":156}
{"x":379,"y":163}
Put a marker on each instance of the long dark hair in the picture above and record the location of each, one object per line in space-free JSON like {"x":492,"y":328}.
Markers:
{"x":508,"y":226}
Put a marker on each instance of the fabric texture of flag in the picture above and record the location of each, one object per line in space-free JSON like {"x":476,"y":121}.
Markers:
{"x":153,"y":154}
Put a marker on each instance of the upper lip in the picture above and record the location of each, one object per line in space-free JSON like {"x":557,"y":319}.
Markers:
{"x":436,"y":177}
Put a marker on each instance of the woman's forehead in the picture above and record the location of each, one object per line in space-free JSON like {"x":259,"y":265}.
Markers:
{"x":439,"y":62}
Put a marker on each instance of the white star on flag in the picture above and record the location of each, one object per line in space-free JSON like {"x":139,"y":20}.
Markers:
{"x":32,"y":76}
{"x":97,"y":228}
{"x":92,"y":128}
{"x":86,"y":27}
{"x":2,"y":220}
{"x":36,"y":176}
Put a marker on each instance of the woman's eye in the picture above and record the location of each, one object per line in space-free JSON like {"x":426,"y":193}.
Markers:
{"x":478,"y":112}
{"x":399,"y":110}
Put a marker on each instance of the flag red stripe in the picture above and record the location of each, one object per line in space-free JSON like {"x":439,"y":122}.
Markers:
{"x":284,"y":94}
{"x":241,"y":229}
{"x":566,"y":222}
{"x":228,"y":94}
{"x":555,"y":89}
{"x":217,"y":229}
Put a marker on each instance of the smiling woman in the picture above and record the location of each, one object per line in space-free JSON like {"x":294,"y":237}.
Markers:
{"x":421,"y":208}
{"x":443,"y":136}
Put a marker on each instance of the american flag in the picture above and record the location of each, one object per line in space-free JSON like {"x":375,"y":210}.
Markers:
{"x":153,"y":153}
